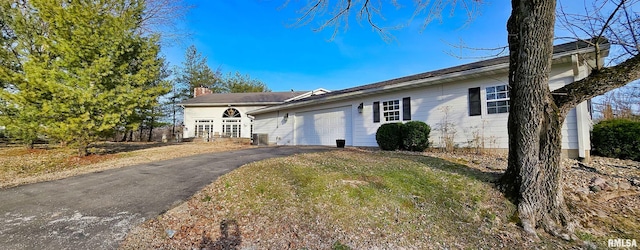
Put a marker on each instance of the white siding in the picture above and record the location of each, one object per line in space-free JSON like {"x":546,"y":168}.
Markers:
{"x":191,"y":114}
{"x":436,"y":105}
{"x":279,"y":129}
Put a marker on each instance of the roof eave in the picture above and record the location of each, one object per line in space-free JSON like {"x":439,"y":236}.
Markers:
{"x":228,"y":104}
{"x":493,"y":69}
{"x":404,"y":85}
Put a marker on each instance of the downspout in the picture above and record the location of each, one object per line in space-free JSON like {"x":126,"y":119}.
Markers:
{"x":583,"y":118}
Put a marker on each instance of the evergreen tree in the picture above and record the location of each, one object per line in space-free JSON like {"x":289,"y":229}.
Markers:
{"x":238,"y":83}
{"x":84,"y":69}
{"x":196,"y":73}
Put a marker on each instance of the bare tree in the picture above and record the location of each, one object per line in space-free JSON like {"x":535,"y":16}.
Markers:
{"x":616,"y":21}
{"x":371,"y":13}
{"x":533,"y":177}
{"x":619,"y":103}
{"x":161,"y":17}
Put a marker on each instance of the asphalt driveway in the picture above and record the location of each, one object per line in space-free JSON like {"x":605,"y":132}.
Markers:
{"x":95,"y":211}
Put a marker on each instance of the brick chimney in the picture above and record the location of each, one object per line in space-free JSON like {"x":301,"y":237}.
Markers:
{"x":200,"y":91}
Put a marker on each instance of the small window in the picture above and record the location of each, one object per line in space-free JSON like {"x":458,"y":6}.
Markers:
{"x":391,"y":110}
{"x":231,"y":113}
{"x":498,"y":99}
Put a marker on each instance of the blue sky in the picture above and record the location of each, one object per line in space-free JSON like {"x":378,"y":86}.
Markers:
{"x":256,"y":37}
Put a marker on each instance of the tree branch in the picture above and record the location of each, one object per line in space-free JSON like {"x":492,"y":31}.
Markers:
{"x":598,"y":83}
{"x":371,"y":11}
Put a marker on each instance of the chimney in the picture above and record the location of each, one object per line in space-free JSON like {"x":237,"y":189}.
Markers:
{"x":201,"y":91}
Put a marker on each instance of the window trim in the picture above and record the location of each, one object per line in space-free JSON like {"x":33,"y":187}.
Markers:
{"x":395,"y":112}
{"x":505,"y":99}
{"x":232,"y":122}
{"x":204,"y":126}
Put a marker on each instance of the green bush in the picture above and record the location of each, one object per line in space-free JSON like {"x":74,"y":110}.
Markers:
{"x":618,"y":138}
{"x":415,"y":136}
{"x":389,"y":136}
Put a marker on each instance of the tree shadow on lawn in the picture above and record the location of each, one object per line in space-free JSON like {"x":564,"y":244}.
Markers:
{"x":487,"y":176}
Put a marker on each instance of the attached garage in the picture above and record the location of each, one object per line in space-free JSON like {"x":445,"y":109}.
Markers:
{"x":472,"y":98}
{"x":323,"y":127}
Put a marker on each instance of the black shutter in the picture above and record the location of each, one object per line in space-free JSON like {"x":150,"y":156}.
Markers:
{"x":406,"y":109}
{"x":376,"y":111}
{"x":475,"y":105}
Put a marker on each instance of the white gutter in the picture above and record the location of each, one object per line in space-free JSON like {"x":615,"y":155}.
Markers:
{"x":404,"y":85}
{"x":409,"y":84}
{"x":227,"y":104}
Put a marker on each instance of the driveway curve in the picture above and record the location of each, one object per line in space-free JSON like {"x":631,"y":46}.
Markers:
{"x":95,"y":211}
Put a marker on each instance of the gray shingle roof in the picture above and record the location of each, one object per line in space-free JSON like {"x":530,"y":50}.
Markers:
{"x":557,"y":49}
{"x":242,"y":98}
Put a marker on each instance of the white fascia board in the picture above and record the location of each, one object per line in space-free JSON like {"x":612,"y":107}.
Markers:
{"x":229,"y":104}
{"x":404,"y":85}
{"x":307,"y":94}
{"x":604,"y":50}
{"x":493,"y":69}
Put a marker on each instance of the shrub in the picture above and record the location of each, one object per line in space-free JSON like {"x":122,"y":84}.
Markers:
{"x":389,"y":136}
{"x":415,"y":136}
{"x":618,"y":138}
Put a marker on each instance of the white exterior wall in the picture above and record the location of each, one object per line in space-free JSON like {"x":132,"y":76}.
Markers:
{"x":435,"y":105}
{"x":280,"y":131}
{"x":191,"y":114}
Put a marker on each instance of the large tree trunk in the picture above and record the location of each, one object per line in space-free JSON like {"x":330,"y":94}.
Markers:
{"x":533,"y":175}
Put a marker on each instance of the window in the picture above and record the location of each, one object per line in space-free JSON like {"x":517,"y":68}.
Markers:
{"x":391,"y":110}
{"x":231,"y":128}
{"x":231,"y":123}
{"x":231,"y":113}
{"x":498,"y":99}
{"x":204,"y":128}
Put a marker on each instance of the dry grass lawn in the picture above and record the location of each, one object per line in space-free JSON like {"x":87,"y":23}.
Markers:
{"x":353,"y":199}
{"x":19,"y":165}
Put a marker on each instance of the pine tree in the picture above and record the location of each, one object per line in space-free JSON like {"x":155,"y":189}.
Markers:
{"x":238,"y":83}
{"x":196,"y":73}
{"x":85,"y":72}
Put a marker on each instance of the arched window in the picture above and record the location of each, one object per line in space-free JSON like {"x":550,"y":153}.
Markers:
{"x":231,"y":123}
{"x":231,"y":113}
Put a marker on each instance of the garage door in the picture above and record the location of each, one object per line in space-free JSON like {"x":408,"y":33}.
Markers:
{"x":323,"y":127}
